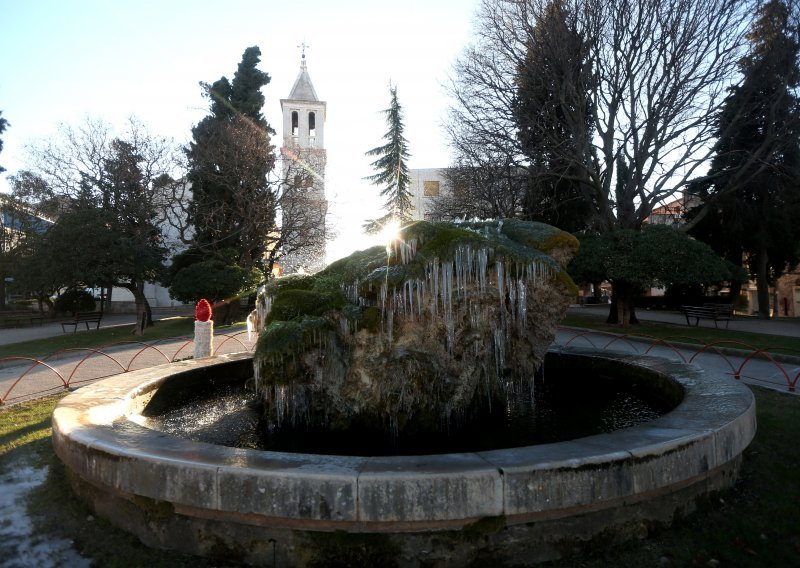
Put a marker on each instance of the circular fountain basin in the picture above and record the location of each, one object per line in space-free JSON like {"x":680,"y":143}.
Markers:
{"x":518,"y":505}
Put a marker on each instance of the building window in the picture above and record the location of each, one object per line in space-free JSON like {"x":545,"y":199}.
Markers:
{"x":295,"y":121}
{"x":430,"y":188}
{"x":303,"y":181}
{"x":312,"y":124}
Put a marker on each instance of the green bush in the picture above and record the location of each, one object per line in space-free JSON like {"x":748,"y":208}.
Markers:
{"x":73,"y":301}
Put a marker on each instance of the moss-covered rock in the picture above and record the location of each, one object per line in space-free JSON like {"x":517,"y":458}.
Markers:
{"x":407,"y":334}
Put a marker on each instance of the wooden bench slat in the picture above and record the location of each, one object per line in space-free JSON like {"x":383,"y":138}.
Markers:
{"x":85,"y":318}
{"x":715,"y":312}
{"x":14,"y":317}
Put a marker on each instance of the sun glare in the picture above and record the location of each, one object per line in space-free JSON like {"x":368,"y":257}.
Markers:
{"x":390,"y":232}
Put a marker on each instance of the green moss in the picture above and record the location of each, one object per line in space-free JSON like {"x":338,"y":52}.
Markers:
{"x":357,"y":265}
{"x":566,"y":280}
{"x":154,"y":510}
{"x":291,"y":282}
{"x":288,"y":338}
{"x":560,"y":240}
{"x":486,"y":526}
{"x":303,"y":305}
{"x":292,"y":304}
{"x":441,"y":240}
{"x":341,"y":549}
{"x":531,"y":234}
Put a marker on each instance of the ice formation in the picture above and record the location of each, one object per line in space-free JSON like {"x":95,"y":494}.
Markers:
{"x":445,"y":317}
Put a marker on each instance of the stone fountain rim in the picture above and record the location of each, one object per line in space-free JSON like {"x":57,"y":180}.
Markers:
{"x":96,"y":435}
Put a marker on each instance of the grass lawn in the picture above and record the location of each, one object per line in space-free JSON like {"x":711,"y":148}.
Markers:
{"x":180,"y":326}
{"x":756,"y":523}
{"x":689,"y":334}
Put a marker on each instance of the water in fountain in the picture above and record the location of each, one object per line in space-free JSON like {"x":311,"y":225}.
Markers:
{"x":567,"y":405}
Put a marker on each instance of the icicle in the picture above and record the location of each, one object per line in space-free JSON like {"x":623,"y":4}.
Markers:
{"x":257,"y":375}
{"x":521,"y":305}
{"x":501,"y":284}
{"x":499,"y":352}
{"x":390,"y":324}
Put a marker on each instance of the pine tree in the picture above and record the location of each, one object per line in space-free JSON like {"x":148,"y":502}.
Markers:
{"x":754,"y":179}
{"x":553,"y":114}
{"x":392,"y":172}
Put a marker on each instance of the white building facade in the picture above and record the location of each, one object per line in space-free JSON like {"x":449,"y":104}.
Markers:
{"x":303,"y":155}
{"x":427,"y":185}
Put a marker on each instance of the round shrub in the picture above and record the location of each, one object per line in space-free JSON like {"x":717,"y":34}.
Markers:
{"x":74,"y":301}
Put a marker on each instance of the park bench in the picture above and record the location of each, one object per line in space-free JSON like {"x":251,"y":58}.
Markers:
{"x":715,"y":312}
{"x":83,"y":318}
{"x":722,"y":309}
{"x":14,"y":318}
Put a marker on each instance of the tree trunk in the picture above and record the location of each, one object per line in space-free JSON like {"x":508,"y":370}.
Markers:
{"x":2,"y":288}
{"x":147,"y":308}
{"x":623,"y":309}
{"x":762,"y":283}
{"x":736,"y":290}
{"x":44,"y":300}
{"x":141,"y":307}
{"x":597,"y":292}
{"x":149,"y":311}
{"x":226,"y":312}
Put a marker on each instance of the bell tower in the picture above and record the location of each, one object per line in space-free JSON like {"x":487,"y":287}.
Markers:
{"x":304,"y":157}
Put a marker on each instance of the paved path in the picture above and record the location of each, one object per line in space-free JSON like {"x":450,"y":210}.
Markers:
{"x":777,"y":326}
{"x":751,"y":367}
{"x":72,"y":368}
{"x":53,"y":329}
{"x":779,"y":373}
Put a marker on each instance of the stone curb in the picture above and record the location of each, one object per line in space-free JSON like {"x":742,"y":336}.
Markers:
{"x":93,"y":433}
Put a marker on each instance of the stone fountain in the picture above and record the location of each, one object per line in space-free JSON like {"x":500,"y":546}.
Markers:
{"x":448,"y":318}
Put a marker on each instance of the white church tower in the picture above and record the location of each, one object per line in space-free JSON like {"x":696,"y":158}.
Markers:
{"x":304,"y":157}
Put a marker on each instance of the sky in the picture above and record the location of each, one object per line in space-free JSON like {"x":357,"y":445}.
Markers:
{"x":63,"y":61}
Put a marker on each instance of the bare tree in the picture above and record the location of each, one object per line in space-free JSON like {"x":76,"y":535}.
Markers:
{"x":653,"y":78}
{"x":302,"y":211}
{"x":490,"y":191}
{"x":89,"y":167}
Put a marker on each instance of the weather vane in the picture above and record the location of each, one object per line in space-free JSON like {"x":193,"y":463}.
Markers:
{"x":303,"y":47}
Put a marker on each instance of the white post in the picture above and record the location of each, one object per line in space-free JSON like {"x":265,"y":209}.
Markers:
{"x":203,"y":338}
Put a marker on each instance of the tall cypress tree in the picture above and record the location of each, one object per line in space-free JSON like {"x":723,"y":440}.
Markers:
{"x":229,"y":158}
{"x":553,"y":115}
{"x":392,"y":172}
{"x":754,"y":179}
{"x":233,"y":206}
{"x":3,"y":126}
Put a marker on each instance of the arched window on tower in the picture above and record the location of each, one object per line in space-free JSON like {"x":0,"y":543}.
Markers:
{"x":295,"y":123}
{"x":312,"y":124}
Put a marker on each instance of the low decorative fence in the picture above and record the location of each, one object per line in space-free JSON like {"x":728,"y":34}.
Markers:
{"x":764,"y":366}
{"x":25,"y":378}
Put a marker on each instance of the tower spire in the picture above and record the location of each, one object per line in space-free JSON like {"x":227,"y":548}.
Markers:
{"x":303,"y":47}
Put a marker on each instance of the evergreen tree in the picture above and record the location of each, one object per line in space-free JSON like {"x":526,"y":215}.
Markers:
{"x":753,"y":185}
{"x":233,"y":206}
{"x":391,"y":169}
{"x":229,"y":159}
{"x":553,"y":114}
{"x":3,"y":126}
